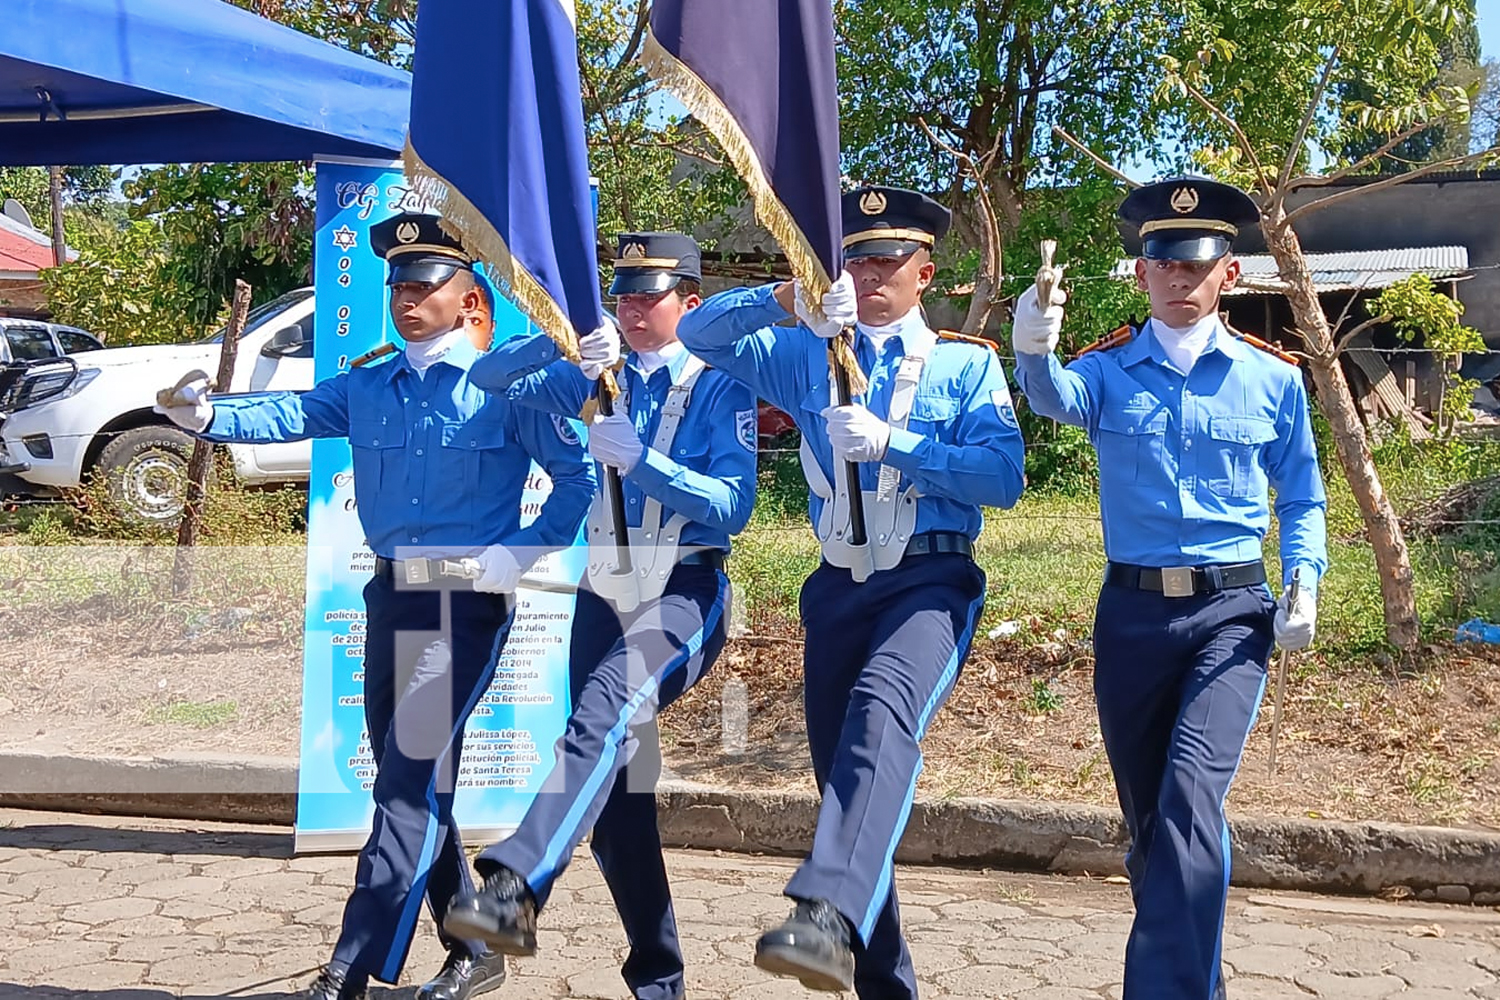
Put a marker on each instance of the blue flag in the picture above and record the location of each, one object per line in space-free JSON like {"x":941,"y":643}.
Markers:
{"x":497,"y":146}
{"x":760,"y":75}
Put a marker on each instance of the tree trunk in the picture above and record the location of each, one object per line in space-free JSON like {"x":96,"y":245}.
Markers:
{"x":201,"y":461}
{"x":1392,"y":560}
{"x":55,"y":200}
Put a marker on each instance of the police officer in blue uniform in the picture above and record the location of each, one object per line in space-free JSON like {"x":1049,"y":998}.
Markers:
{"x":439,"y":466}
{"x":1192,"y":423}
{"x":888,"y":624}
{"x":683,"y":440}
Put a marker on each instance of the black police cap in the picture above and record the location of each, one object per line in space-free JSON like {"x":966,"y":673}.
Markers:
{"x":646,"y":263}
{"x":1187,"y":218}
{"x":417,"y":249}
{"x":891,"y":222}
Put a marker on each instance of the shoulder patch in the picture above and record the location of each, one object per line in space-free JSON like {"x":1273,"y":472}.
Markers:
{"x":374,"y":355}
{"x":1003,"y":406}
{"x":964,"y":338}
{"x":564,"y":428}
{"x":745,"y":430}
{"x":1109,"y":341}
{"x":1266,"y":346}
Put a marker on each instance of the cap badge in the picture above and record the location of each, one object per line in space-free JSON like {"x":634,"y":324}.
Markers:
{"x":1184,"y":200}
{"x":407,"y":232}
{"x":872,"y":203}
{"x":633,"y":251}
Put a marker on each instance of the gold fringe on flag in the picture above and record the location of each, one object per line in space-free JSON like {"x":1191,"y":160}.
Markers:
{"x":468,"y":225}
{"x":705,"y":105}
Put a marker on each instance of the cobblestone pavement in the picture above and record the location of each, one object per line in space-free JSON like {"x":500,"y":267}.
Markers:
{"x":98,"y":908}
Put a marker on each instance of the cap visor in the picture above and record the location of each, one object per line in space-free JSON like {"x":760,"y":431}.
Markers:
{"x":1189,"y":248}
{"x":643,"y":282}
{"x":881,"y":248}
{"x":424,"y":272}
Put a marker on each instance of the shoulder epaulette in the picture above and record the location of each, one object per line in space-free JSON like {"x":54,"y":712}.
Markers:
{"x":1262,"y":345}
{"x":965,"y":338}
{"x":373,"y":355}
{"x":1115,"y":338}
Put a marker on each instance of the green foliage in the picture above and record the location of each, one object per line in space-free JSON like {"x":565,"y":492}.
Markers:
{"x":1059,"y":457}
{"x":1044,"y":698}
{"x":29,"y":185}
{"x":1419,"y":312}
{"x":117,"y":288}
{"x":380,"y":29}
{"x":223,"y":221}
{"x":1258,"y":65}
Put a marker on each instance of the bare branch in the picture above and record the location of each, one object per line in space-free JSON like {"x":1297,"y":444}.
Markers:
{"x":642,"y":15}
{"x":1364,"y":161}
{"x":1099,"y":161}
{"x":1373,"y":321}
{"x":1307,"y":118}
{"x":1431,"y":168}
{"x":1274,"y":285}
{"x":989,"y":268}
{"x":1233,"y":126}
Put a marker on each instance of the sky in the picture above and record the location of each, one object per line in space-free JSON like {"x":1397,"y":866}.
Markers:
{"x":1488,"y":12}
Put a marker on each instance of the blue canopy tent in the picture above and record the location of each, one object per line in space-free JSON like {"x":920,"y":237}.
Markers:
{"x":165,"y":81}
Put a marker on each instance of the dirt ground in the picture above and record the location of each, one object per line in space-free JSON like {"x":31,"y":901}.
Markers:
{"x":84,"y":677}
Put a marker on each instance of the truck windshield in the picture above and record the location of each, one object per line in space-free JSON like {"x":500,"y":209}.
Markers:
{"x":263,"y":313}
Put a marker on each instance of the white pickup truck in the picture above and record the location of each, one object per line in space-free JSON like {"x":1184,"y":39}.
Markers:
{"x":63,"y":421}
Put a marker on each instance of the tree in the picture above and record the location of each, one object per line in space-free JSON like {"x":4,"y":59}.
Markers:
{"x":960,"y":96}
{"x":88,"y":186}
{"x":1458,"y":66}
{"x":115,"y":289}
{"x":228,"y":221}
{"x":1261,"y":85}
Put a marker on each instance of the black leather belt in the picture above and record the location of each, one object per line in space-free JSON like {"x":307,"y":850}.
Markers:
{"x":703,"y":557}
{"x":931,"y":543}
{"x":1185,"y":581}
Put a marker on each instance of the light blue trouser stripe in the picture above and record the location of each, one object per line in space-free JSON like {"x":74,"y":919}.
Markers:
{"x":883,"y":884}
{"x":406,"y":926}
{"x":567,"y":832}
{"x":1213,"y":973}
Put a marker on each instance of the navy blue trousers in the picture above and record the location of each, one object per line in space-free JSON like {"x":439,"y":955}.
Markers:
{"x":429,"y":656}
{"x":1178,"y":682}
{"x":624,"y":669}
{"x":880,"y":659}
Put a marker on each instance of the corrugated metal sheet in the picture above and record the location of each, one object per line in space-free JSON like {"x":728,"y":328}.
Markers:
{"x":1339,"y":272}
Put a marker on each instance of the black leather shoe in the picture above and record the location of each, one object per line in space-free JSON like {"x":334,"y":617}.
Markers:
{"x":464,"y":977}
{"x":502,"y":914}
{"x":330,"y":985}
{"x":812,"y":946}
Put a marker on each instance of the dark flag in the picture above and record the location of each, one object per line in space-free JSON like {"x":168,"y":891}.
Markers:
{"x":497,"y":146}
{"x":760,"y":76}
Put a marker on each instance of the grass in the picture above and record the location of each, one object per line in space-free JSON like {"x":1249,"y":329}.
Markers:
{"x":1043,"y":558}
{"x":197,"y":714}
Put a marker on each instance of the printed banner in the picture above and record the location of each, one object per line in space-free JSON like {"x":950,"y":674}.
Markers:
{"x":509,"y":743}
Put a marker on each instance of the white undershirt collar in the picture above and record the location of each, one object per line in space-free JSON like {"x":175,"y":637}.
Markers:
{"x":423,"y":354}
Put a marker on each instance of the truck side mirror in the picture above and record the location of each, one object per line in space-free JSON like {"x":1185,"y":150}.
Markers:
{"x":289,"y":341}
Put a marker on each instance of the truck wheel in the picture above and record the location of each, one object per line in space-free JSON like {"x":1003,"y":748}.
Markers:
{"x":146,"y":469}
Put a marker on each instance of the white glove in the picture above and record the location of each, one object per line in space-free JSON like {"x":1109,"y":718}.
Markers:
{"x":1035,"y":330}
{"x":856,"y":434}
{"x":499,"y":571}
{"x":613,"y":441}
{"x":840,"y":307}
{"x":194,"y":415}
{"x":1294,"y":622}
{"x":599,"y":350}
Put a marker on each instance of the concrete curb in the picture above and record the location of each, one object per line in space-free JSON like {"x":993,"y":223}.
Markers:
{"x":1325,"y":856}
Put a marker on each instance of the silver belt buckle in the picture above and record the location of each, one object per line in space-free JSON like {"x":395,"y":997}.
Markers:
{"x":1177,"y":581}
{"x":417,"y":571}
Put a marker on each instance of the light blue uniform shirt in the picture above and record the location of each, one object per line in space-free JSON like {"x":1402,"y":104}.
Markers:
{"x":709,"y":477}
{"x":961,"y":447}
{"x":439,"y":464}
{"x":1185,"y":462}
